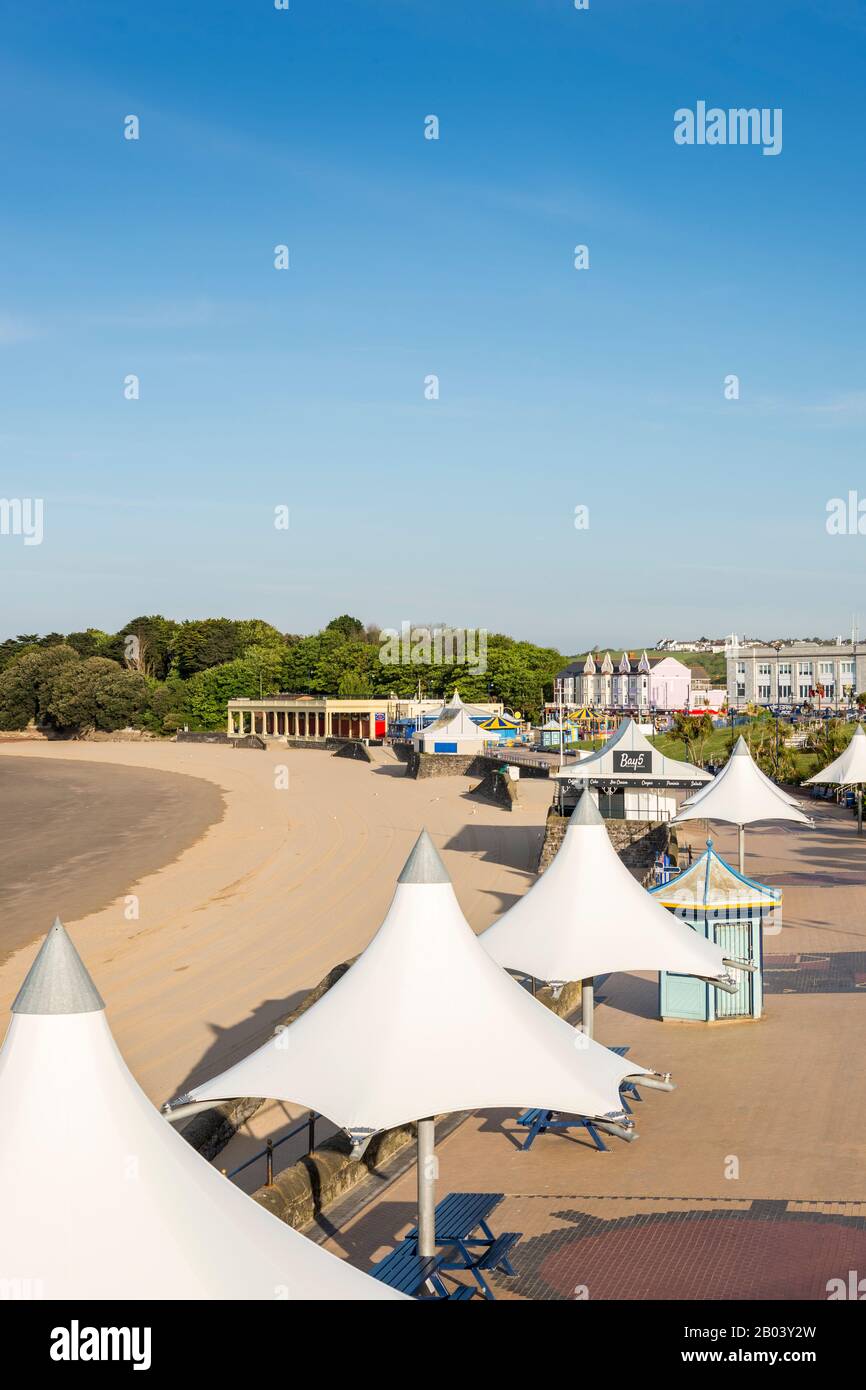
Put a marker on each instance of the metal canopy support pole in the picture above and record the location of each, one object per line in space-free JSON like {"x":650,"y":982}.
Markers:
{"x":426,"y":1187}
{"x":741,"y":839}
{"x":860,"y":809}
{"x":587,"y":1006}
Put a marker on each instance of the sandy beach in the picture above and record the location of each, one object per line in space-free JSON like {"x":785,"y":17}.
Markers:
{"x":76,"y":834}
{"x":288,"y":882}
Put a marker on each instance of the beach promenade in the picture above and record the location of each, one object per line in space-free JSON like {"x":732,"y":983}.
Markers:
{"x":749,"y":1180}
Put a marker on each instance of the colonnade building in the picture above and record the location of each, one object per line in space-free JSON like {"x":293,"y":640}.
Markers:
{"x":826,"y":676}
{"x":309,"y":717}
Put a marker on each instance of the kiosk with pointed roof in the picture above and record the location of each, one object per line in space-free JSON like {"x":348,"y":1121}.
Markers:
{"x":742,"y":794}
{"x":426,"y":1023}
{"x":730,"y":909}
{"x":587,"y":915}
{"x":121,"y":1207}
{"x":848,"y":770}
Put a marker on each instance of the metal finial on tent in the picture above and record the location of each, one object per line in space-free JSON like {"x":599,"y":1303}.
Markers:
{"x":586,"y":812}
{"x":58,"y":981}
{"x":424,"y":864}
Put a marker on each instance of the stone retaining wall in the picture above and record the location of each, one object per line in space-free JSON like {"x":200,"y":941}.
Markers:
{"x":637,"y":842}
{"x":497,"y":786}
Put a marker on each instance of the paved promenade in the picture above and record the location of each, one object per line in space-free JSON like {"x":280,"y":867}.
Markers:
{"x":749,"y":1181}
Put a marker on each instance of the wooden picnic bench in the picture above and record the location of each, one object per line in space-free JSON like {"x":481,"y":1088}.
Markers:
{"x":463,"y":1232}
{"x":410,"y":1273}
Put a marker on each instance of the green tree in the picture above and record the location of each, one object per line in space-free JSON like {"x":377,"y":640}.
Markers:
{"x":25,"y":683}
{"x":95,"y":694}
{"x":208,"y":692}
{"x":347,"y":626}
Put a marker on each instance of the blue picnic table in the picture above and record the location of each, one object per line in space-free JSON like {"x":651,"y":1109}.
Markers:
{"x":540,"y":1121}
{"x":417,"y":1275}
{"x":463,"y":1231}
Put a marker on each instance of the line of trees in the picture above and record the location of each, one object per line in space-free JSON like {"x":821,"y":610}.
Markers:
{"x":161,"y":675}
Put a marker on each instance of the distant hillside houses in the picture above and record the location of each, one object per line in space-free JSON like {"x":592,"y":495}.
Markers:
{"x":637,"y":683}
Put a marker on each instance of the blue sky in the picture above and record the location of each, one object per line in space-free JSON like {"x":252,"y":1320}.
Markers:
{"x":411,"y":257}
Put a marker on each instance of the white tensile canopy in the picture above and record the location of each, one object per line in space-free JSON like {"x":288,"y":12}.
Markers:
{"x":425,"y":1023}
{"x":741,"y":747}
{"x":630,"y":757}
{"x":99,"y":1197}
{"x":741,"y":794}
{"x":849,"y":769}
{"x":587,"y":915}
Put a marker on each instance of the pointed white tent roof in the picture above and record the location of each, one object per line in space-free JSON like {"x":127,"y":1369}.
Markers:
{"x":121,"y":1207}
{"x":712,"y":883}
{"x":849,"y":769}
{"x":452,"y":727}
{"x":587,"y":915}
{"x":741,"y":794}
{"x":791,"y":800}
{"x":606,"y":764}
{"x":458,"y":703}
{"x":425,"y":1023}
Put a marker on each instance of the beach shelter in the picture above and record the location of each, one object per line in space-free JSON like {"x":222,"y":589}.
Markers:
{"x":768,"y":781}
{"x":99,"y":1197}
{"x":587,"y":915}
{"x":848,"y":770}
{"x":742,"y":795}
{"x":426,"y":1023}
{"x":728,"y":908}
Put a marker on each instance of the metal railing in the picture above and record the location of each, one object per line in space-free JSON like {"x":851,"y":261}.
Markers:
{"x":267,"y":1153}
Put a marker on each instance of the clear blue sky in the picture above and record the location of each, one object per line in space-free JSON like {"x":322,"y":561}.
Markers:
{"x":411,"y":257}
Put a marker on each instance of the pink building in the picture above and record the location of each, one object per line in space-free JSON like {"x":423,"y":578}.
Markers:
{"x":660,"y":683}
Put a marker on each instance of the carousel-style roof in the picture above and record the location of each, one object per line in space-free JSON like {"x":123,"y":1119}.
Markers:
{"x":712,"y":883}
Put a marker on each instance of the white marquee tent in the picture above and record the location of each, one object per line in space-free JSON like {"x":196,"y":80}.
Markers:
{"x":742,"y":795}
{"x":99,"y":1197}
{"x":425,"y":1023}
{"x":455,"y":731}
{"x":587,"y":915}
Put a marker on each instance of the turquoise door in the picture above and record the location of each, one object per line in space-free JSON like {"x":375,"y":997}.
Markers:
{"x":735,"y":939}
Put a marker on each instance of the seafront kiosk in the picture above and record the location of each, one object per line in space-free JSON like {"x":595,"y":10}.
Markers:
{"x":630,"y":777}
{"x":729,"y":909}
